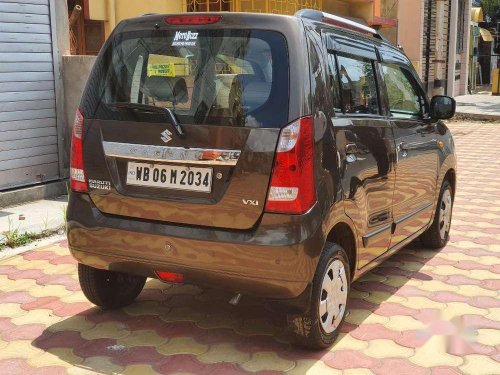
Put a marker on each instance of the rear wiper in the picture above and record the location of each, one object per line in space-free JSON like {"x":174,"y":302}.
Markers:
{"x":151,"y":108}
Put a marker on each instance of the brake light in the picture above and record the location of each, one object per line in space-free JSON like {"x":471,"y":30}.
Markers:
{"x":292,"y":188}
{"x":199,"y":19}
{"x":77,"y":180}
{"x":170,"y":277}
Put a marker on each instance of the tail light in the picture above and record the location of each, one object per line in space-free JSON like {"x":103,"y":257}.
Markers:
{"x":170,"y":277}
{"x":77,"y":180}
{"x":197,"y":19}
{"x":292,"y":188}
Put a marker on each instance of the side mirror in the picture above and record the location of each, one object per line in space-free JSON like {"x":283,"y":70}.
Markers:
{"x":442,"y":107}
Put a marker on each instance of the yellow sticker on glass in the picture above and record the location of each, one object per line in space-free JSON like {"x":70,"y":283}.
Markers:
{"x":161,"y":70}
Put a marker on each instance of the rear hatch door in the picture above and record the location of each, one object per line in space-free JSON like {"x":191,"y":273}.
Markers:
{"x":182,"y":124}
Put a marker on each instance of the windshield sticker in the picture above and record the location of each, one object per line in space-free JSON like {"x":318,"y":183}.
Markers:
{"x":185,"y":38}
{"x":161,"y":70}
{"x":167,"y":66}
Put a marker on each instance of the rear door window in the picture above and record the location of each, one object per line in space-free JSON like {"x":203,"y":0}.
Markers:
{"x":358,"y":85}
{"x":219,"y":77}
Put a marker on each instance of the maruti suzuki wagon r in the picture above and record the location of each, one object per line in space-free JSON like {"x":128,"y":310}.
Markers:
{"x":272,"y":156}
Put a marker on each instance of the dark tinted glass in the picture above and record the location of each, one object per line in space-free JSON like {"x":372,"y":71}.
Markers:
{"x":358,"y":85}
{"x":219,"y":77}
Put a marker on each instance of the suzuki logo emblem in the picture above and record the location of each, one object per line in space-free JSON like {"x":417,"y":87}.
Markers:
{"x":166,"y":136}
{"x":250,"y":202}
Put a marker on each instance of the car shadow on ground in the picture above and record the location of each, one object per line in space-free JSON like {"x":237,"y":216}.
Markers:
{"x":186,"y":329}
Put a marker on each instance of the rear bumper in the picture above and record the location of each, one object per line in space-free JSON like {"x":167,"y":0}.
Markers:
{"x":277,"y":259}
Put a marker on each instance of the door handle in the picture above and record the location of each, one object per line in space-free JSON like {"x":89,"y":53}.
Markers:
{"x":351,"y":150}
{"x":402,"y":148}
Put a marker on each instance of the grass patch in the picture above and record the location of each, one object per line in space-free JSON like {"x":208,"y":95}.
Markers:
{"x":14,"y":238}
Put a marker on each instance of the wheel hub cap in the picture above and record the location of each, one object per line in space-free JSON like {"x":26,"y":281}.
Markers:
{"x":333,"y":296}
{"x":445,"y":209}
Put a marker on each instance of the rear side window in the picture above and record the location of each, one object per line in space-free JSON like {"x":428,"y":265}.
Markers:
{"x":358,"y":86}
{"x":405,"y":99}
{"x":219,"y":77}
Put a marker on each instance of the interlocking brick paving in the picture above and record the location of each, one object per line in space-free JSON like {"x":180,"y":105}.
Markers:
{"x":421,"y":312}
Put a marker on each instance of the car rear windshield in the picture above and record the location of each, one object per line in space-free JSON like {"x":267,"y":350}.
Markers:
{"x":214,"y":77}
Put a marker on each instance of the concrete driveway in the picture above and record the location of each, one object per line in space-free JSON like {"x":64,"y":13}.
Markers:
{"x":421,"y":312}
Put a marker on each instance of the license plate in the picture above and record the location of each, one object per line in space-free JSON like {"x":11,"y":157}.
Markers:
{"x":170,"y":177}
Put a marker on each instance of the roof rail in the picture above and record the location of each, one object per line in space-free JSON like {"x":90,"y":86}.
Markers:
{"x":317,"y":15}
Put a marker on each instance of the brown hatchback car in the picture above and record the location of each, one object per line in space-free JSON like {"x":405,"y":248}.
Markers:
{"x":273,"y":156}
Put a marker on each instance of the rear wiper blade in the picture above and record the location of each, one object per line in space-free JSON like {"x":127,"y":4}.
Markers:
{"x":151,"y":108}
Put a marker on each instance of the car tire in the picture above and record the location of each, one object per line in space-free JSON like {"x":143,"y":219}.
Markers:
{"x":319,"y":327}
{"x":438,"y":234}
{"x":109,"y":289}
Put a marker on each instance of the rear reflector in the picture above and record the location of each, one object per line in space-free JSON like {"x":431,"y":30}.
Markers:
{"x":170,"y":277}
{"x":77,"y":180}
{"x":192,"y":20}
{"x":292,"y":188}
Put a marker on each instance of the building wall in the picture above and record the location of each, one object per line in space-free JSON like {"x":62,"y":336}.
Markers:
{"x":114,"y":11}
{"x":410,"y":30}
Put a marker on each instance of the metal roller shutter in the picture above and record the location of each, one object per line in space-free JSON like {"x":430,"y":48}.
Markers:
{"x":28,"y":135}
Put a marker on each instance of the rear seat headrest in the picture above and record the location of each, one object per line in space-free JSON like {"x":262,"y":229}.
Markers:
{"x":169,"y":89}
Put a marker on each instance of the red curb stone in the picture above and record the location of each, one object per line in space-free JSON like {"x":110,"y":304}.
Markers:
{"x":94,"y":348}
{"x":374,"y":286}
{"x":346,"y":359}
{"x":462,"y":280}
{"x":181,"y":363}
{"x":441,"y":262}
{"x":6,"y":325}
{"x":23,"y":332}
{"x":260,"y":343}
{"x":96,"y":315}
{"x":39,"y":255}
{"x":491,"y":284}
{"x":448,"y":297}
{"x":410,"y":258}
{"x":16,"y":297}
{"x":471,"y":265}
{"x":390,"y":309}
{"x":65,"y":280}
{"x":428,"y":316}
{"x":411,"y":291}
{"x":71,"y":309}
{"x":49,"y":370}
{"x":137,"y":355}
{"x":390,"y":271}
{"x":460,"y":348}
{"x":375,"y":331}
{"x":66,"y":259}
{"x":14,"y":366}
{"x":495,"y":268}
{"x":180,"y":329}
{"x":64,"y":339}
{"x":485,"y":302}
{"x":478,"y":322}
{"x":7,"y":270}
{"x":141,"y":323}
{"x":225,"y":369}
{"x":361,"y":304}
{"x":413,"y":339}
{"x":485,"y":240}
{"x":398,"y":366}
{"x":445,"y":371}
{"x":48,"y":302}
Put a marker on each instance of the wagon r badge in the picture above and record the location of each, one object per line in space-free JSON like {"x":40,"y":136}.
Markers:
{"x":250,"y":202}
{"x":166,"y":136}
